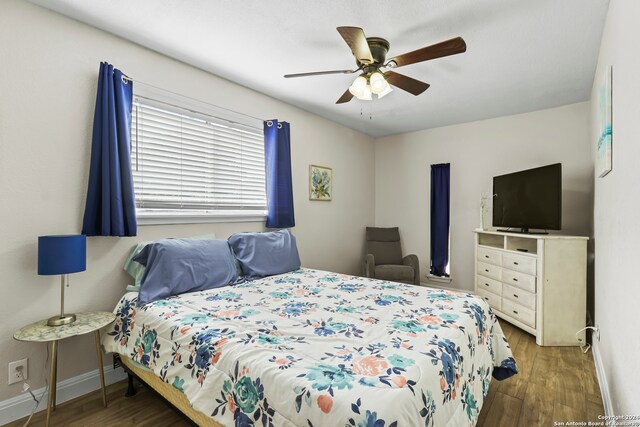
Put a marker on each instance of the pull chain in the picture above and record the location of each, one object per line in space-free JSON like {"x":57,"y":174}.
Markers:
{"x":362,"y":115}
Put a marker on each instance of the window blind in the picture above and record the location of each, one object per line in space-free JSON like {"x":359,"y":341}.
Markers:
{"x":189,"y":163}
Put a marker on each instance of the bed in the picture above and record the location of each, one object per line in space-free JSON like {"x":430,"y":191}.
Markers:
{"x":316,"y":348}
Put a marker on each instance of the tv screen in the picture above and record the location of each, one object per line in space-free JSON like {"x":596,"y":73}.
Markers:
{"x":529,"y":199}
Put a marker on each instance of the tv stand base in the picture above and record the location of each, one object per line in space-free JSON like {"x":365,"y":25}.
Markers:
{"x":522,"y":231}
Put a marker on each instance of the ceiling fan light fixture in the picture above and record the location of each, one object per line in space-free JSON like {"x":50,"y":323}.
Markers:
{"x":386,"y":91}
{"x":358,"y":86}
{"x":366,"y":96}
{"x":378,"y":83}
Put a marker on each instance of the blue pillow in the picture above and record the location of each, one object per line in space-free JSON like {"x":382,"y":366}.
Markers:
{"x":136,"y":270}
{"x":175,"y":266}
{"x":265,"y":254}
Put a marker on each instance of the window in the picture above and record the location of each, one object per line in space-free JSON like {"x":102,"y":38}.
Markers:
{"x":190,"y":166}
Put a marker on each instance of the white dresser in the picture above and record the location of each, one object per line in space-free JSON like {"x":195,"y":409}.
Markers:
{"x":536,"y":282}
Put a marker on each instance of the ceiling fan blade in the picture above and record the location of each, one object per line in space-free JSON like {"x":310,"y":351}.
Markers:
{"x":439,"y":50}
{"x":413,"y":86}
{"x":355,"y":38}
{"x":346,"y":97}
{"x":319,"y":73}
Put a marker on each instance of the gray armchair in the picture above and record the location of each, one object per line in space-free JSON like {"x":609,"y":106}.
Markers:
{"x":384,"y":257}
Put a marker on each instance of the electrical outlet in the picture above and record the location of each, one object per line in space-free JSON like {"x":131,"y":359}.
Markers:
{"x":18,"y":371}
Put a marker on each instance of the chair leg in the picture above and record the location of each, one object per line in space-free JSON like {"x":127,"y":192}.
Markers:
{"x":131,"y":389}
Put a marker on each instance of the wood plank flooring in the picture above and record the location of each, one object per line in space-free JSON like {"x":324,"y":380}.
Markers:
{"x":146,"y":408}
{"x":554,"y":384}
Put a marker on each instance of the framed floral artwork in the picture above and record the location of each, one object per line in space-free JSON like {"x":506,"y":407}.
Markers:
{"x":320,"y":183}
{"x":605,"y":131}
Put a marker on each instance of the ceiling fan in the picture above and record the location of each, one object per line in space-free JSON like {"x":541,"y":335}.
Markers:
{"x":370,"y":54}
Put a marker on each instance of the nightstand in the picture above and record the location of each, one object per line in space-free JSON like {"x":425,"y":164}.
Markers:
{"x":41,"y":332}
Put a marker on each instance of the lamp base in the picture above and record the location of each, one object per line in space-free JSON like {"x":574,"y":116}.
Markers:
{"x":61,"y":320}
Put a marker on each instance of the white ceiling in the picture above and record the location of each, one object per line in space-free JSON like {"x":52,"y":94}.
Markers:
{"x":522,"y":55}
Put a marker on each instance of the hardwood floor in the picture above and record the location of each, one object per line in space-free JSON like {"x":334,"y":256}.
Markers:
{"x":144,"y":409}
{"x":554,"y":384}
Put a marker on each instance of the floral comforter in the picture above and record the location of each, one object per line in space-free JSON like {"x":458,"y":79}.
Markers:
{"x":314,"y":348}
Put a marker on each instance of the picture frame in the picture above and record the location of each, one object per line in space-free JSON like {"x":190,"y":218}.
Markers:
{"x":320,"y":183}
{"x":605,"y":129}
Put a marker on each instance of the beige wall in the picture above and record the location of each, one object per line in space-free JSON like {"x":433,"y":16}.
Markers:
{"x":616,"y":206}
{"x":48,"y":75}
{"x":478,"y":151}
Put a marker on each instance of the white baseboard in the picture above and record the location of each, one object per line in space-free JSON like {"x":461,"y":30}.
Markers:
{"x":602,"y":377}
{"x":21,"y":406}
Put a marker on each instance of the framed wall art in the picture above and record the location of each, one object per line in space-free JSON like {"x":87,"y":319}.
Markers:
{"x":320,"y":183}
{"x":605,"y":129}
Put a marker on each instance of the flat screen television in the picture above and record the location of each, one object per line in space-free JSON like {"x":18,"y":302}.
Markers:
{"x":529,"y":199}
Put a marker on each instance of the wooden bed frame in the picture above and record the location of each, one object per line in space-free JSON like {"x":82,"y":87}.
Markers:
{"x":172,"y":395}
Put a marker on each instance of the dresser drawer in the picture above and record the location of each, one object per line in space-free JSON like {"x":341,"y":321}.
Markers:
{"x":489,"y":270}
{"x":520,"y":263}
{"x":520,"y":280}
{"x":494,"y":300}
{"x":489,"y":256}
{"x":519,"y":296}
{"x":488,"y":285}
{"x":523,"y":314}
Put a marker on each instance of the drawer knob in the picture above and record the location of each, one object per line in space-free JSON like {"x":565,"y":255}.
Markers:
{"x":486,"y":256}
{"x":515,"y":312}
{"x":515,"y":295}
{"x":486,"y":298}
{"x":515,"y":280}
{"x":486,"y":270}
{"x":515,"y":263}
{"x":486,"y":284}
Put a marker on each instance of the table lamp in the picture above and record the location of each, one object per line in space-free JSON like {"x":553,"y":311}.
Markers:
{"x":62,"y":255}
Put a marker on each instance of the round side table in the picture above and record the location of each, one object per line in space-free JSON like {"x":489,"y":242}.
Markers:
{"x":41,"y":332}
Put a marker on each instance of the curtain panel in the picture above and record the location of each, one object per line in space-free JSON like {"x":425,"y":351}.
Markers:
{"x":110,"y":208}
{"x":439,"y":219}
{"x":277,"y":153}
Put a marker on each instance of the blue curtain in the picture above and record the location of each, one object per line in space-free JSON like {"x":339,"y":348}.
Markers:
{"x":110,"y":209}
{"x":439,"y":219}
{"x":277,"y":153}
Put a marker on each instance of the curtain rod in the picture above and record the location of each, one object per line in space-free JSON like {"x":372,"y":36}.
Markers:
{"x":125,"y":79}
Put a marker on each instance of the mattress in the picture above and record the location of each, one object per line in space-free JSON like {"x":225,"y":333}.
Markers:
{"x":315,"y":348}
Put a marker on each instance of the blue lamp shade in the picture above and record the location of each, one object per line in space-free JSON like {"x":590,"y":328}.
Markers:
{"x":62,"y":254}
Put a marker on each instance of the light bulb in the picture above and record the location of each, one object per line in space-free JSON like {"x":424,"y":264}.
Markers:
{"x":378,"y":82}
{"x":386,"y":91}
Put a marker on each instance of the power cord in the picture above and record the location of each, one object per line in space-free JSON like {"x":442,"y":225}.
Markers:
{"x":585,"y":348}
{"x":27,"y":388}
